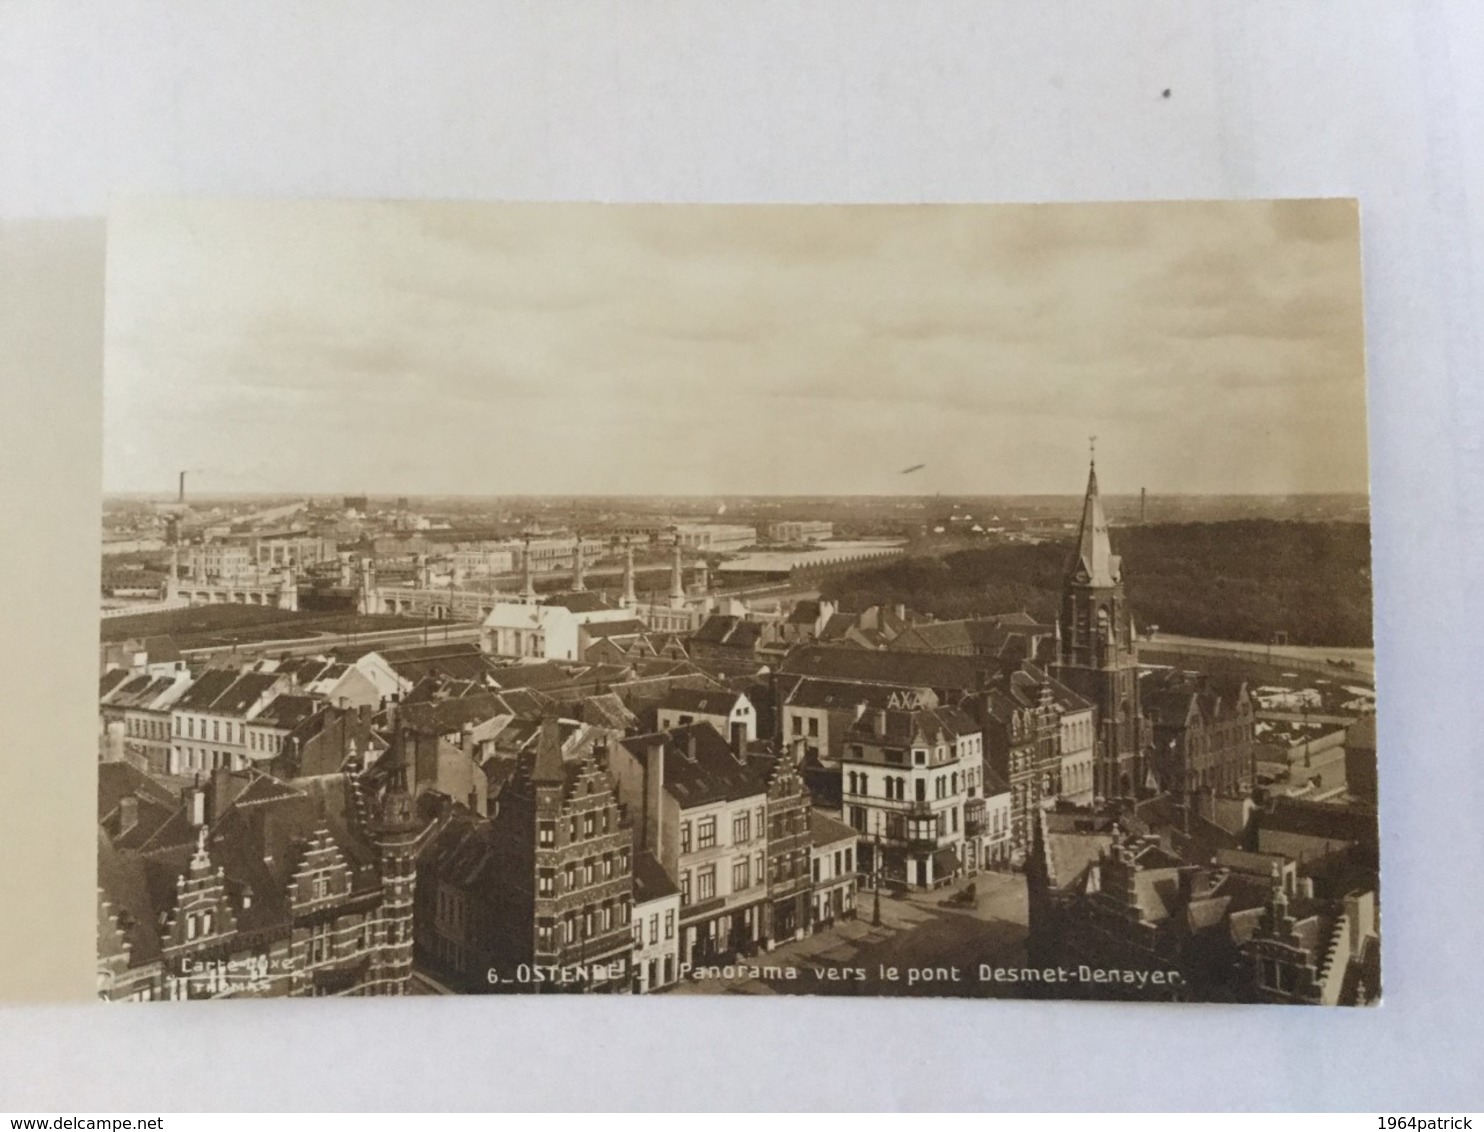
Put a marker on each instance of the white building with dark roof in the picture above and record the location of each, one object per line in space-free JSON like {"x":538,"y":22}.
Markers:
{"x":913,"y":787}
{"x":724,"y":710}
{"x":833,"y":852}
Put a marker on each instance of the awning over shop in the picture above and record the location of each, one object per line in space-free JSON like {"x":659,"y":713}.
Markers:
{"x":945,"y":862}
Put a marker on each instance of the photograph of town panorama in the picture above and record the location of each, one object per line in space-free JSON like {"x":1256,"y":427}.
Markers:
{"x":961,"y":601}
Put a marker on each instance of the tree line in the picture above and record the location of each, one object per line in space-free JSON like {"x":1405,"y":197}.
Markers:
{"x":1243,"y":580}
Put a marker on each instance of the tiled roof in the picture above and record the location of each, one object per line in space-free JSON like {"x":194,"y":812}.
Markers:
{"x":461,"y":852}
{"x":903,"y":669}
{"x":927,"y":726}
{"x":843,"y":695}
{"x":700,"y":701}
{"x":581,"y":601}
{"x":825,"y":830}
{"x":154,"y":804}
{"x":837,"y":626}
{"x":700,"y":767}
{"x":804,"y":613}
{"x":208,"y":687}
{"x":728,"y":630}
{"x":598,"y":630}
{"x":651,"y":882}
{"x":288,"y":710}
{"x":994,"y":785}
{"x":244,"y":693}
{"x":111,"y":680}
{"x":122,"y":882}
{"x":606,"y":710}
{"x":443,"y":717}
{"x":527,"y":703}
{"x":140,"y":691}
{"x":257,"y":841}
{"x":540,"y":676}
{"x":1328,"y":821}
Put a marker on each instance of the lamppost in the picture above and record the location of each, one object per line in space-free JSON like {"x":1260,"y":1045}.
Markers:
{"x":876,"y":875}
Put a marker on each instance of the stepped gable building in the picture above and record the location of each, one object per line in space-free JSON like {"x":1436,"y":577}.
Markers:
{"x":1021,"y":723}
{"x":1107,"y":895}
{"x":787,"y":810}
{"x":1096,"y":654}
{"x":1201,"y":730}
{"x":561,"y":894}
{"x":257,"y":887}
{"x":1154,"y":887}
{"x":699,"y":805}
{"x":1316,"y":952}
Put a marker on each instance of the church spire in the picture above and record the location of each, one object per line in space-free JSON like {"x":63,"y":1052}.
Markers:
{"x":1095,"y":564}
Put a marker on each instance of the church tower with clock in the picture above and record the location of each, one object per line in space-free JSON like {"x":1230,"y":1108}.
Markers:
{"x":1096,"y":656}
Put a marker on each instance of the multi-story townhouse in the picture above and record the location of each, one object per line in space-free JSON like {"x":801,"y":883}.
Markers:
{"x":208,"y":723}
{"x":656,"y":926}
{"x":700,"y":807}
{"x":135,"y":711}
{"x":907,"y":777}
{"x":834,"y":847}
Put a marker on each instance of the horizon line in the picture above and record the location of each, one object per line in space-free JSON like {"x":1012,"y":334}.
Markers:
{"x":170,"y":496}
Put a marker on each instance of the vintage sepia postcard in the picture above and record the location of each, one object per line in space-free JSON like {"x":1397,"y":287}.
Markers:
{"x":961,"y":601}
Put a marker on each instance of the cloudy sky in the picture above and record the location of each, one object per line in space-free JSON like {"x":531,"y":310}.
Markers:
{"x":420,"y":348}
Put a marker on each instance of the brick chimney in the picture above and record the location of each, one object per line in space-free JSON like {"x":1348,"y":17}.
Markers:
{"x":654,"y":794}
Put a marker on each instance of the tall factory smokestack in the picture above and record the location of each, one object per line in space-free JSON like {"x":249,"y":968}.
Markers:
{"x":1143,"y":498}
{"x":180,"y":494}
